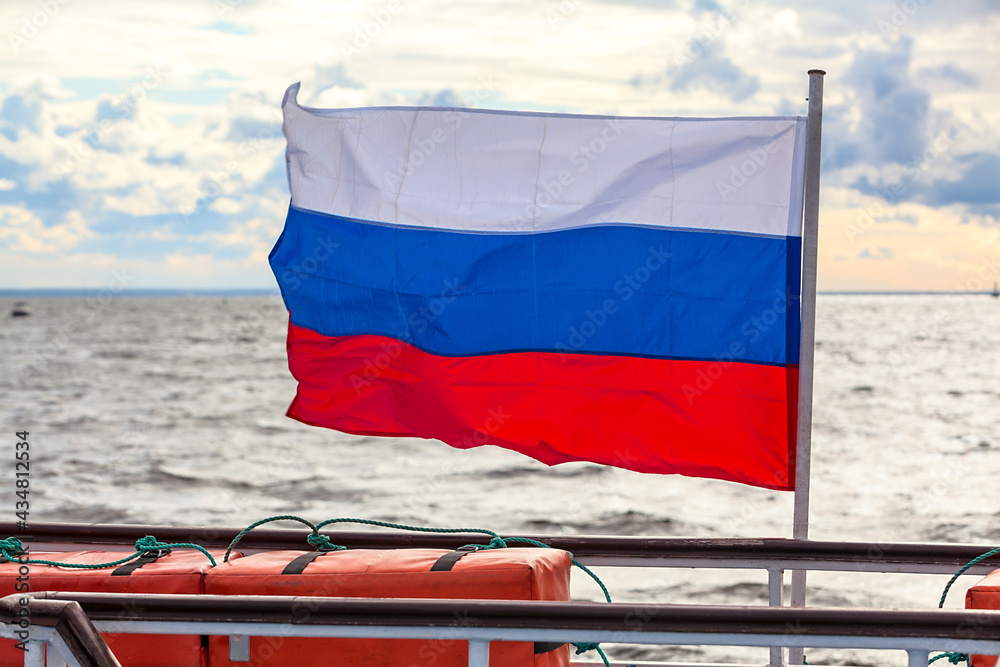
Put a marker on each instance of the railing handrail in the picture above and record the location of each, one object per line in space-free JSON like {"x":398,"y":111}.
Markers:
{"x":624,"y":550}
{"x":720,"y":619}
{"x":480,"y":622}
{"x":68,"y":619}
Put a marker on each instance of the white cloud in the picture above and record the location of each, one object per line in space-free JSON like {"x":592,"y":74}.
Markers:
{"x":22,"y":231}
{"x":59,"y":270}
{"x":226,"y":206}
{"x":919,"y":247}
{"x":201,"y":133}
{"x":786,"y":23}
{"x":255,"y":233}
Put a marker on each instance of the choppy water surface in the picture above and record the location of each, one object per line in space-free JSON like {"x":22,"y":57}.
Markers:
{"x":171,"y":410}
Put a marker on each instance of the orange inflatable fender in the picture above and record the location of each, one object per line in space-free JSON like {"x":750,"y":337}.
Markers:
{"x":984,"y":595}
{"x":175,"y":572}
{"x":499,"y":574}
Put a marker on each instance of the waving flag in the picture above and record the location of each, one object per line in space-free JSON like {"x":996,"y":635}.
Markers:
{"x":616,"y":290}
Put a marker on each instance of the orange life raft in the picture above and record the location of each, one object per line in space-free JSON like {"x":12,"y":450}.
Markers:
{"x":501,"y":574}
{"x":174,"y":572}
{"x":984,"y":595}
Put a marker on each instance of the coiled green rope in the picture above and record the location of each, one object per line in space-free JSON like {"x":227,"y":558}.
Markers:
{"x":322,"y":543}
{"x":11,"y":549}
{"x":955,"y":658}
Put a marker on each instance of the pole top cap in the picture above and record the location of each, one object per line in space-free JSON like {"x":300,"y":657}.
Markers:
{"x":816,"y":71}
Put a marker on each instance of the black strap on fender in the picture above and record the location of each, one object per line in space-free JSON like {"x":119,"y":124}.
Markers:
{"x":545,"y":647}
{"x":131,"y":566}
{"x":299,"y":564}
{"x":447,"y":561}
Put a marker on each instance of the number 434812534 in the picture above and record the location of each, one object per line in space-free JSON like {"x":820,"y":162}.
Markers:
{"x":22,"y":483}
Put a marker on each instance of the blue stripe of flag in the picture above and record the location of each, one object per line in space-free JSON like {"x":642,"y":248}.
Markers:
{"x":610,"y":290}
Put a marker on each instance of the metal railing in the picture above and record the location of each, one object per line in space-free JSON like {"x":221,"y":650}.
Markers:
{"x":40,"y":620}
{"x":481,"y":622}
{"x":773,"y":555}
{"x":738,"y":553}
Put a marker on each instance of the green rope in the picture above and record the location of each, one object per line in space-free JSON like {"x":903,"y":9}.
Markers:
{"x":323,"y":543}
{"x":11,"y":549}
{"x":525,"y":540}
{"x":419,"y":529}
{"x":962,"y":571}
{"x":320,"y":542}
{"x":955,"y":658}
{"x":583,"y":648}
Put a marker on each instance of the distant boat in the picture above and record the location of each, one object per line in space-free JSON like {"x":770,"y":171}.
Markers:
{"x":20,"y":309}
{"x":996,"y":290}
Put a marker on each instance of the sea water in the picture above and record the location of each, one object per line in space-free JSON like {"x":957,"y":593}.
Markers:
{"x":170,"y":410}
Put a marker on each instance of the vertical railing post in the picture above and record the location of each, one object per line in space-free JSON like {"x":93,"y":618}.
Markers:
{"x":775,"y":583}
{"x":479,"y":653}
{"x":35,"y":655}
{"x":917,"y":658}
{"x":53,"y":658}
{"x":239,"y":648}
{"x":807,"y":341}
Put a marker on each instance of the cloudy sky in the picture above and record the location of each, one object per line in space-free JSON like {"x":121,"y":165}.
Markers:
{"x":143,"y":139}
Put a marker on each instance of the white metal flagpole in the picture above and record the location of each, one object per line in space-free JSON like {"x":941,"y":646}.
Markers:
{"x":810,"y":233}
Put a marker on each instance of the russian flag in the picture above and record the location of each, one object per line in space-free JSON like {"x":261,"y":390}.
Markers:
{"x":576,"y":288}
